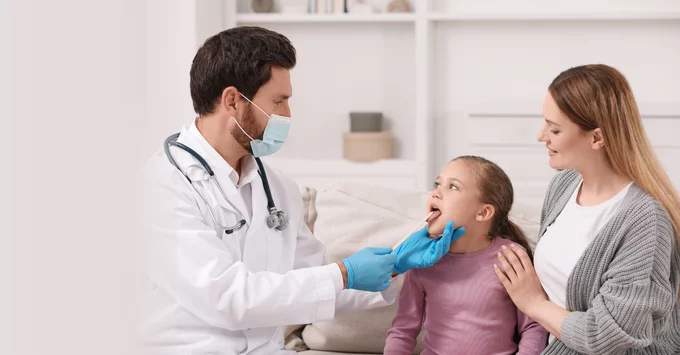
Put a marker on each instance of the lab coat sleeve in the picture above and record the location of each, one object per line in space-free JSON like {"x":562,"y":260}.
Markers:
{"x":310,"y":252}
{"x":187,"y":259}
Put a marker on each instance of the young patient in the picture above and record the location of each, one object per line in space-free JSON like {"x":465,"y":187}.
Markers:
{"x":459,"y":300}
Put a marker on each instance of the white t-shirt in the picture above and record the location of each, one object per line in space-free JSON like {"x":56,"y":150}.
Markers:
{"x":564,"y":241}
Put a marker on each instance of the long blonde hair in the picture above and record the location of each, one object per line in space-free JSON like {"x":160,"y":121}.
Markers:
{"x":597,"y":95}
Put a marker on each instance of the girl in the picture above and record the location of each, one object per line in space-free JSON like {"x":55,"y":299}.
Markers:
{"x":459,"y":301}
{"x":607,"y":254}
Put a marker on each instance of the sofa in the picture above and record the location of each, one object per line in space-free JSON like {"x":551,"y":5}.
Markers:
{"x":347,"y":217}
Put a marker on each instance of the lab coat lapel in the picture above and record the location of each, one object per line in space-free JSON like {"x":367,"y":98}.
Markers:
{"x":260,"y":211}
{"x":191,"y":137}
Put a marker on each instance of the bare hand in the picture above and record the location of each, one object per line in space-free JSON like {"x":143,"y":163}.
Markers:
{"x":519,"y":279}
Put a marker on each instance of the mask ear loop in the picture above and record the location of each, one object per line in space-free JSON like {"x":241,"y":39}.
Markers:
{"x":242,"y":130}
{"x":239,"y":126}
{"x":258,"y":107}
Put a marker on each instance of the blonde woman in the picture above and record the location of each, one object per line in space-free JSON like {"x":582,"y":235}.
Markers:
{"x":607,"y":264}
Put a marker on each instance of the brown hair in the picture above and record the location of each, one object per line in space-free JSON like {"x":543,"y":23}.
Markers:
{"x":241,"y":57}
{"x":496,"y":189}
{"x":597,"y":95}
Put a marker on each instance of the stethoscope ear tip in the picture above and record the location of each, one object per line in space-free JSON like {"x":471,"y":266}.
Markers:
{"x":238,"y":226}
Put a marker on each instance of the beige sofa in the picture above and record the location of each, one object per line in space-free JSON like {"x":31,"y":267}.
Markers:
{"x":347,"y":217}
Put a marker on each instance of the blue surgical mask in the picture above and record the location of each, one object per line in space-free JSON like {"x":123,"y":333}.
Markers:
{"x":275,"y":134}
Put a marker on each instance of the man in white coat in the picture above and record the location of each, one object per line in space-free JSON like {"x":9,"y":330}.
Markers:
{"x":214,"y":289}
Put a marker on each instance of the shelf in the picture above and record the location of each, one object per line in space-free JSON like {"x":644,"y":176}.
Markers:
{"x":654,"y":110}
{"x":554,"y":16}
{"x":331,"y":18}
{"x":322,"y":173}
{"x":342,"y":167}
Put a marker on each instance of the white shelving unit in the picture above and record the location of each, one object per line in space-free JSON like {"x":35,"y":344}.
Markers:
{"x":248,"y":18}
{"x":421,"y":33}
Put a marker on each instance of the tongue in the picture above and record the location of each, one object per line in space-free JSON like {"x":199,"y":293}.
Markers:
{"x":435,"y":215}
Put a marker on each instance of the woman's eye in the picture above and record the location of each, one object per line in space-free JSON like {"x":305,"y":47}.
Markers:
{"x":278,"y":103}
{"x":554,"y":132}
{"x":453,"y":187}
{"x":435,"y":185}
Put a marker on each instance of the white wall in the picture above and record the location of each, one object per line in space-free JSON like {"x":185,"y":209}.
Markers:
{"x":499,"y":72}
{"x":345,"y":67}
{"x":171,"y":33}
{"x":77,"y":97}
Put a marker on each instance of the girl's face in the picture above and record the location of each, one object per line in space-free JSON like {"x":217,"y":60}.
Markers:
{"x":454,"y":197}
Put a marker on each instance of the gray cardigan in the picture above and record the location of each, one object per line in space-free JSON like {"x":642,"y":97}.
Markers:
{"x":623,"y":292}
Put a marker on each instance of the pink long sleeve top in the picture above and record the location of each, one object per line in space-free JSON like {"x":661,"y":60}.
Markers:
{"x":464,"y":309}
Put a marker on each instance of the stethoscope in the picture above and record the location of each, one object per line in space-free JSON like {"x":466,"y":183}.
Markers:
{"x":276,"y":219}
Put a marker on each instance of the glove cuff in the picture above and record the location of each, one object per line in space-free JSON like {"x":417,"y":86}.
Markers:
{"x":350,"y":273}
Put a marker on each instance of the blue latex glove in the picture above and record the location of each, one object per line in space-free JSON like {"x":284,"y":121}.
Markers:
{"x":370,"y":269}
{"x":421,"y":251}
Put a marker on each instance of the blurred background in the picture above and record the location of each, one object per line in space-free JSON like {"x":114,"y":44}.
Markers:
{"x":438,"y":78}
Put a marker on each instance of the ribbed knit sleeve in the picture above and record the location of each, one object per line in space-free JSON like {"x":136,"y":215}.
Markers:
{"x":636,"y":297}
{"x":407,"y":322}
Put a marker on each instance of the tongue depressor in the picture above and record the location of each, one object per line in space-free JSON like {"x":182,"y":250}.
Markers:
{"x":413,"y":231}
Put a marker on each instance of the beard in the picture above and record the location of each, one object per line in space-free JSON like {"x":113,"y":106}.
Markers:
{"x":249,"y":124}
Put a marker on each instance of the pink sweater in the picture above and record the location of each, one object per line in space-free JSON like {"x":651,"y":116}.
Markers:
{"x":464,"y":309}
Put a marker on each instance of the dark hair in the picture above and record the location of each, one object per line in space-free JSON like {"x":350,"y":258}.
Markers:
{"x":241,"y":57}
{"x":496,"y":189}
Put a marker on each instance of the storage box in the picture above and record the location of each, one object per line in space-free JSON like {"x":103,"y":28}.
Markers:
{"x":365,"y":121}
{"x":367,"y":146}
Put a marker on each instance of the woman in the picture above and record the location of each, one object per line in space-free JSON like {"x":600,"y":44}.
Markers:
{"x":607,"y":260}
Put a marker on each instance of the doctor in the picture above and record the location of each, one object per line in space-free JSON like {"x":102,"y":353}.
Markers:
{"x":229,"y":257}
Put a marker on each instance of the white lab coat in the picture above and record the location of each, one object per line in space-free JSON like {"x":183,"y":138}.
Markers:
{"x":232,"y":295}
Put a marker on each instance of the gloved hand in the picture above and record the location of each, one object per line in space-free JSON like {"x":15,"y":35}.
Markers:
{"x":370,"y":269}
{"x":421,"y":251}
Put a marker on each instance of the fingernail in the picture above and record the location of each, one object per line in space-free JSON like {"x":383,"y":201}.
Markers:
{"x":499,"y":254}
{"x":512,"y":245}
{"x":504,"y":247}
{"x":495,"y":266}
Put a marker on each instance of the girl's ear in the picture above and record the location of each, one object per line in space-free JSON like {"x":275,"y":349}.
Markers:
{"x":485,"y":213}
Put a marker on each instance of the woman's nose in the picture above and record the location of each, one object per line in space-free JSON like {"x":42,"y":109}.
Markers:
{"x":541,"y":135}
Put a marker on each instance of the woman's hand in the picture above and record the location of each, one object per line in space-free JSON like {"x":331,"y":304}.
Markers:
{"x":519,"y":278}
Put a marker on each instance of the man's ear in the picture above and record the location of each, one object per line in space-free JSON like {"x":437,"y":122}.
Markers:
{"x":229,"y":99}
{"x":598,"y":139}
{"x":486,"y":213}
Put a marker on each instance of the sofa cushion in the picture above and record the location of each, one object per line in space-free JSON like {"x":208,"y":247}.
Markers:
{"x":351,"y":216}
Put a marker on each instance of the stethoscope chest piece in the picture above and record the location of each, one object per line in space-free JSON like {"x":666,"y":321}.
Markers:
{"x":277,"y":220}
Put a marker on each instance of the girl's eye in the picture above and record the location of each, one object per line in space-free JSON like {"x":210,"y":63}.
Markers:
{"x":453,"y":187}
{"x":435,"y":185}
{"x":277,"y":103}
{"x":554,"y":132}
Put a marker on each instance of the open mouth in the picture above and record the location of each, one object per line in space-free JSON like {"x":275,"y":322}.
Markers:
{"x":436,"y":213}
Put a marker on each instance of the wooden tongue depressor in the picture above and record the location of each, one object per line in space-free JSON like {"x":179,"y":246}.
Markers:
{"x":413,"y":231}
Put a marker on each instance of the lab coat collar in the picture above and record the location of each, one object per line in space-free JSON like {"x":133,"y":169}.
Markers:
{"x":224,"y":173}
{"x":192,"y":137}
